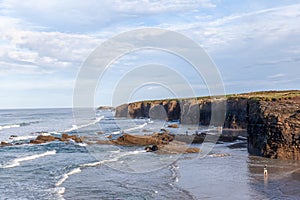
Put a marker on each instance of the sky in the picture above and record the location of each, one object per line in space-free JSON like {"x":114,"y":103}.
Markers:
{"x":254,"y":44}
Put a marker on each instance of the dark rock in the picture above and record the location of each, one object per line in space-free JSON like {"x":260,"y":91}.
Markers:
{"x":272,"y":119}
{"x":191,"y":111}
{"x":157,"y":142}
{"x":48,"y":138}
{"x":238,"y":145}
{"x":5,"y":144}
{"x":105,"y":108}
{"x":154,"y":148}
{"x":274,"y":128}
{"x":42,"y":139}
{"x":173,"y":126}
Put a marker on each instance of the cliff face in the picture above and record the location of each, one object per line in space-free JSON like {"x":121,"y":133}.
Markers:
{"x":274,"y":128}
{"x":188,"y":111}
{"x":272,"y":119}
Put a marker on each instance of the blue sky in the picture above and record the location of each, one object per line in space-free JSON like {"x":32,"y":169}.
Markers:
{"x":254,"y":43}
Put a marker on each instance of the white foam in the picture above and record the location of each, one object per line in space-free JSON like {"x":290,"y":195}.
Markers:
{"x":54,"y":133}
{"x":93,"y":164}
{"x":218,"y":155}
{"x":9,"y":126}
{"x":66,"y":176}
{"x":82,"y":144}
{"x":60,"y":191}
{"x":123,"y":154}
{"x":130,"y":129}
{"x":135,"y":128}
{"x":75,"y":127}
{"x":149,"y":121}
{"x":25,"y":137}
{"x":117,"y":151}
{"x":16,"y":162}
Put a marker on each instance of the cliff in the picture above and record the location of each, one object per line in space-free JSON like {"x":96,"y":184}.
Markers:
{"x":272,"y":119}
{"x":188,"y":111}
{"x":274,"y":128}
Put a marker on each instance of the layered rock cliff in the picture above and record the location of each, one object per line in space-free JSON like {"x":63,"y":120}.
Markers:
{"x":272,"y":119}
{"x":188,"y":111}
{"x":274,"y":128}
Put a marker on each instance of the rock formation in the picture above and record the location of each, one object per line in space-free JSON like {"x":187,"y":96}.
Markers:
{"x":49,"y":138}
{"x":272,"y":119}
{"x":163,"y":143}
{"x":191,"y":111}
{"x":40,"y":139}
{"x":274,"y":128}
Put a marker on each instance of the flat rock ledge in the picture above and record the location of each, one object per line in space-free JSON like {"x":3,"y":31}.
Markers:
{"x":162,"y":143}
{"x":41,"y":139}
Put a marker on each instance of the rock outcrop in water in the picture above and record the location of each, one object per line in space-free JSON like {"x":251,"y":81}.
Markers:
{"x":271,"y":118}
{"x":162,"y":142}
{"x":41,"y":139}
{"x":49,"y":138}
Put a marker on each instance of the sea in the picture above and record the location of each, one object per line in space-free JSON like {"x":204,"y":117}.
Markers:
{"x":59,"y":170}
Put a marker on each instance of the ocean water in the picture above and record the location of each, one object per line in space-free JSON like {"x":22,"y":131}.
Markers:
{"x":60,"y":170}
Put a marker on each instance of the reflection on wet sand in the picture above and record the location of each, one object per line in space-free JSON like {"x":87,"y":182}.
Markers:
{"x":281,"y":182}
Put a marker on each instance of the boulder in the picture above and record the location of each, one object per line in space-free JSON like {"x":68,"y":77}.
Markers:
{"x":176,"y":148}
{"x":42,"y":139}
{"x":5,"y":144}
{"x":173,"y":126}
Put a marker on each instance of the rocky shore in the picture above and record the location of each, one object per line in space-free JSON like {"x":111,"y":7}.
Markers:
{"x":41,"y":139}
{"x":162,"y":142}
{"x":272,"y":118}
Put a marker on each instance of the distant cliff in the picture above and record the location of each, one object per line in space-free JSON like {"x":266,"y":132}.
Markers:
{"x":272,"y":119}
{"x":189,"y":111}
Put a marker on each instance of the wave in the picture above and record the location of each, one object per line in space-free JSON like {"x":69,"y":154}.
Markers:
{"x":121,"y":154}
{"x":16,"y":162}
{"x":94,"y":164}
{"x":66,"y":176}
{"x":18,"y":125}
{"x":61,"y":190}
{"x":130,"y":129}
{"x":135,"y":128}
{"x":218,"y":155}
{"x":75,"y":127}
{"x":9,"y":126}
{"x":20,"y":138}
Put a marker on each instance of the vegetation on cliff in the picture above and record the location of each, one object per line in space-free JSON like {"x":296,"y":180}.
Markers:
{"x":272,"y":118}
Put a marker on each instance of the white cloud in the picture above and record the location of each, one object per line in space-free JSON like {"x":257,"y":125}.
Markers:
{"x":92,"y":15}
{"x":44,"y":38}
{"x":43,"y":50}
{"x":24,"y":84}
{"x":276,"y":76}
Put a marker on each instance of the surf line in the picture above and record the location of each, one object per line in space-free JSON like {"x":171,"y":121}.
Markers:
{"x":93,"y":164}
{"x":16,"y":162}
{"x":75,"y":127}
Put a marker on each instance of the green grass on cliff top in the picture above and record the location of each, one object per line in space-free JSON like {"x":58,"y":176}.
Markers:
{"x":261,"y":95}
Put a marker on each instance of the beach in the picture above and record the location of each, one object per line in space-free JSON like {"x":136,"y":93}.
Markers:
{"x":70,"y":170}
